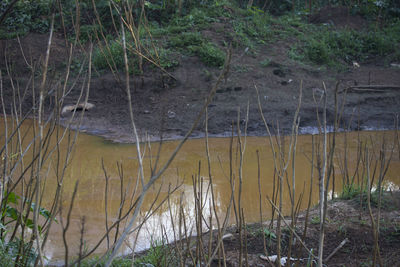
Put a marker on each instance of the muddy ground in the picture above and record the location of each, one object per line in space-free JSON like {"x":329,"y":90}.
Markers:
{"x":167,"y":107}
{"x":346,"y":219}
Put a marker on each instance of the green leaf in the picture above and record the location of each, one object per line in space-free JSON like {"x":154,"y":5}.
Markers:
{"x":43,"y":212}
{"x":12,"y":198}
{"x":12,"y":213}
{"x":29,"y":223}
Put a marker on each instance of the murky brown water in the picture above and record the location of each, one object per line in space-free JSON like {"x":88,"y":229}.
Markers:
{"x":90,"y":151}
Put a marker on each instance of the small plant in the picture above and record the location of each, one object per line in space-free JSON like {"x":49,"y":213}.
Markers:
{"x":269,"y":234}
{"x":166,"y":58}
{"x":316,"y":220}
{"x":240,"y":68}
{"x":209,"y":54}
{"x":318,"y":52}
{"x":9,"y":216}
{"x":351,"y":191}
{"x":94,"y":262}
{"x":26,"y":16}
{"x":102,"y":56}
{"x":6,"y":258}
{"x":265,"y":63}
{"x":342,"y":229}
{"x":158,"y":255}
{"x":186,"y":39}
{"x":386,"y":201}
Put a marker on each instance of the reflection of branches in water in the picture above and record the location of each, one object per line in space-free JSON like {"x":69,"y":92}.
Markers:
{"x":24,"y":173}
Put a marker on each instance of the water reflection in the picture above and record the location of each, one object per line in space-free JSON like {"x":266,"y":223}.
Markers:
{"x":119,"y":161}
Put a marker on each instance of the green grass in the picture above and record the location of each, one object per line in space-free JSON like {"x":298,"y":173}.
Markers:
{"x":6,"y":258}
{"x":330,"y":47}
{"x":102,"y":56}
{"x":157,"y":255}
{"x":316,"y":220}
{"x":351,"y":191}
{"x":118,"y":262}
{"x":209,"y":54}
{"x":354,"y":191}
{"x":186,"y":39}
{"x":195,"y":44}
{"x":265,"y":63}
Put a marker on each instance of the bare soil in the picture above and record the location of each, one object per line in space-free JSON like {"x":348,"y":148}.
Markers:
{"x":346,"y":219}
{"x":167,"y":107}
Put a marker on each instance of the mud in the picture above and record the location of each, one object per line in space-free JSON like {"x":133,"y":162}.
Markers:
{"x":166,"y":108}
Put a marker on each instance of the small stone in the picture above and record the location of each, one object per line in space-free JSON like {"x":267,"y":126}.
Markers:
{"x":230,"y":236}
{"x":171,"y":114}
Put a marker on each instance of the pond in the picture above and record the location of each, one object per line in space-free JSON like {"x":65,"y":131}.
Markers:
{"x":93,"y":156}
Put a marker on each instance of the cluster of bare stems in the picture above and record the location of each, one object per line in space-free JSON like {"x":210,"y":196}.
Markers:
{"x":25,"y":170}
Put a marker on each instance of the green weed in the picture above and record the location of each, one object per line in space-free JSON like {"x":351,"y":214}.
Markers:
{"x":269,"y":234}
{"x":195,"y":44}
{"x":6,"y":258}
{"x":265,"y":63}
{"x":351,"y":191}
{"x":240,"y":68}
{"x":102,"y":56}
{"x":333,"y":47}
{"x":118,"y":262}
{"x":209,"y":54}
{"x":157,"y":255}
{"x":342,"y":229}
{"x":26,"y":16}
{"x":186,"y":39}
{"x":9,"y":251}
{"x":166,"y":58}
{"x":316,"y":220}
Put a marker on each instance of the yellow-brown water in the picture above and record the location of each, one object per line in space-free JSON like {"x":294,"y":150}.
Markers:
{"x":86,"y":167}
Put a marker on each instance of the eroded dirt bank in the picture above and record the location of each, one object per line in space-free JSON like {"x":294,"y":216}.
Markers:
{"x":348,"y":223}
{"x":167,"y":107}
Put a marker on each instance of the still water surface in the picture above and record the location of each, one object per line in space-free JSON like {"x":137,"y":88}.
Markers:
{"x":86,"y":167}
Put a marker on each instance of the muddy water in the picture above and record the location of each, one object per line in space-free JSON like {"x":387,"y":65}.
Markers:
{"x":120,"y":164}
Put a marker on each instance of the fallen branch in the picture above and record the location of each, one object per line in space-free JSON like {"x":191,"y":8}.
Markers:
{"x":291,"y":229}
{"x":369,"y":88}
{"x":336,"y":250}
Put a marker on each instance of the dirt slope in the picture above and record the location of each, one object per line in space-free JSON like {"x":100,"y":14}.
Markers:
{"x":169,"y":107}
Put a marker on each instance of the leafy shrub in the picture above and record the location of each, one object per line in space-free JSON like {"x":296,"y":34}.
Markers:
{"x":332,"y":47}
{"x":351,"y":191}
{"x":186,"y":39}
{"x":26,"y":16}
{"x":102,"y":56}
{"x":209,"y":54}
{"x":166,"y":58}
{"x":318,"y":52}
{"x":195,"y":44}
{"x":158,"y":255}
{"x":6,"y":258}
